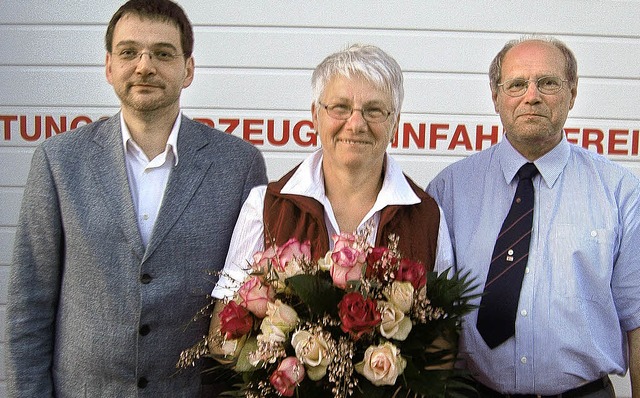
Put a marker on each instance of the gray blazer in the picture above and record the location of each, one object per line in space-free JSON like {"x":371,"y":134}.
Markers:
{"x":91,"y":313}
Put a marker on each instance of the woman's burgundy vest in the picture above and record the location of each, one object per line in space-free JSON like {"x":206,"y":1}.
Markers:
{"x":293,"y":216}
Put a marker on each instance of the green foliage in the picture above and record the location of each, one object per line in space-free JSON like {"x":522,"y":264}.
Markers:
{"x":316,"y":292}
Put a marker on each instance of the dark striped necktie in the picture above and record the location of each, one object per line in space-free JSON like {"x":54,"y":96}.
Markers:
{"x":497,"y":313}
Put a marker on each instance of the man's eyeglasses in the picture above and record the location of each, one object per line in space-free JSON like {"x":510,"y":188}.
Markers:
{"x":344,"y":112}
{"x":158,"y":55}
{"x":546,"y":85}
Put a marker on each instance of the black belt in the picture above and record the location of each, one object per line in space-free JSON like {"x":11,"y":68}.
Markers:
{"x":577,"y":392}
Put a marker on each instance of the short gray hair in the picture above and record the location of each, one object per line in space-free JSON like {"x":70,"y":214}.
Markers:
{"x":571,"y":64}
{"x":367,"y":61}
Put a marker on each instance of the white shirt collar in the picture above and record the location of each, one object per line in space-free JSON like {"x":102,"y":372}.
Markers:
{"x":172,"y":141}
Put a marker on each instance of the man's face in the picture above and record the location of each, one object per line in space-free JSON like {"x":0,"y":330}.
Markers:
{"x":148,"y":83}
{"x":534,"y":121}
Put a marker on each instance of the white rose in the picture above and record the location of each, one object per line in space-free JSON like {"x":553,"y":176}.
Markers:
{"x":313,"y":351}
{"x":325,"y":263}
{"x":394,"y":324}
{"x":282,"y":316}
{"x":401,"y":294}
{"x":382,"y":364}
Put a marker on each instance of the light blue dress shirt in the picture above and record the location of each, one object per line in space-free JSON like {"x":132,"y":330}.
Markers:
{"x":581,"y":289}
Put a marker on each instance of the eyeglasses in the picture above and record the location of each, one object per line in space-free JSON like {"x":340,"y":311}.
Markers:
{"x":546,"y":85}
{"x":158,"y":55}
{"x":344,"y":112}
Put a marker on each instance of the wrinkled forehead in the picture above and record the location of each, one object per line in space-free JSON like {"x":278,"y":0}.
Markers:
{"x":533,"y":59}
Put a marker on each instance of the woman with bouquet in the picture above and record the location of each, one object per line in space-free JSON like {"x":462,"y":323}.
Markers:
{"x":350,"y":184}
{"x":349,"y":187}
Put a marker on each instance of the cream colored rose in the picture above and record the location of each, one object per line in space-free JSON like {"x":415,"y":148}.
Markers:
{"x":271,"y":332}
{"x":293,"y":268}
{"x":231,"y":348}
{"x":325,"y":263}
{"x":382,"y":364}
{"x":313,"y":351}
{"x":282,"y":316}
{"x":401,"y":295}
{"x":394,"y":324}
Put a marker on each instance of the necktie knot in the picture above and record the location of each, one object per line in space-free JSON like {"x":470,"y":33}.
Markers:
{"x":527,"y":171}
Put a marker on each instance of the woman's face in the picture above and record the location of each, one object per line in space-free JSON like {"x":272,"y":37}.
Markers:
{"x":354,"y":143}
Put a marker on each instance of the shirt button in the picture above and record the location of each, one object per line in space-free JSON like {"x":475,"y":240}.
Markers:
{"x":594,"y":233}
{"x":143,"y":382}
{"x":523,"y":312}
{"x":526,"y":270}
{"x":144,"y":330}
{"x":523,"y":359}
{"x":145,"y":278}
{"x":145,"y":217}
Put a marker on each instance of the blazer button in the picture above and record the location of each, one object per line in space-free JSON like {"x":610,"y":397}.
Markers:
{"x":145,"y":278}
{"x":142,"y":382}
{"x":144,"y":330}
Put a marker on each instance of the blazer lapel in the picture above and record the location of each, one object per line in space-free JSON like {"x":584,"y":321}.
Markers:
{"x":184,"y":180}
{"x":109,"y":170}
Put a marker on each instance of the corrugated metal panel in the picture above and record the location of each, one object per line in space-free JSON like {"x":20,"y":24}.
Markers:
{"x":254,"y":62}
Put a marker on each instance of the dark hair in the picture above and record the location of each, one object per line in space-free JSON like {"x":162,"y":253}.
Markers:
{"x":162,"y":10}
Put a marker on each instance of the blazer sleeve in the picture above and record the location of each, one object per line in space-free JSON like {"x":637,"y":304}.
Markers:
{"x":34,"y":285}
{"x":257,"y":174}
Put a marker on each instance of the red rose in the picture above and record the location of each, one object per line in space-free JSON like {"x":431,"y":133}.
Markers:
{"x":379,"y":263}
{"x":358,"y":315}
{"x":411,"y":271}
{"x":235,"y":321}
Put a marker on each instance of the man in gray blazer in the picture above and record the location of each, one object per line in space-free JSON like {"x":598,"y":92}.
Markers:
{"x":122,"y":223}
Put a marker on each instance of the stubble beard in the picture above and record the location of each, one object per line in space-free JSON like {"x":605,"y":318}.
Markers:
{"x":144,"y":103}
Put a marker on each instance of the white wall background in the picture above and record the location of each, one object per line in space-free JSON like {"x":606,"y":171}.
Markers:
{"x":254,"y":61}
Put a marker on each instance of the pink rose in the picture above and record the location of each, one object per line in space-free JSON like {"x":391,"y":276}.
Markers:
{"x":293,"y":249}
{"x":346,"y":265}
{"x":343,"y":240}
{"x":235,"y":321}
{"x":358,"y":315}
{"x":254,"y":296}
{"x":263,"y":261}
{"x":286,"y":378}
{"x":412,"y":271}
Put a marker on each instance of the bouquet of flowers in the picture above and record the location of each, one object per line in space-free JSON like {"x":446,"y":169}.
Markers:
{"x":362,"y":321}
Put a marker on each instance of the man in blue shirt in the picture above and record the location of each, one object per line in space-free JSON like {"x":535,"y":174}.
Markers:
{"x":578,"y":313}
